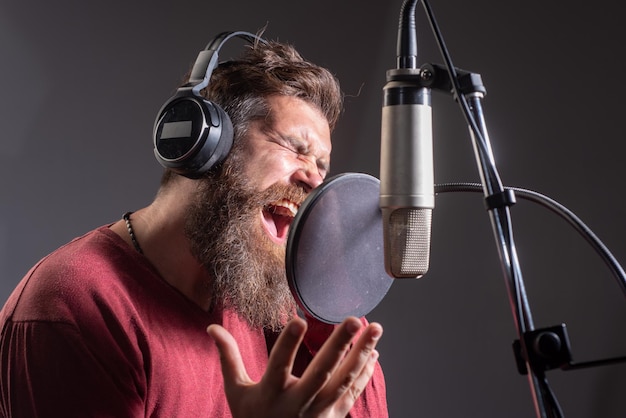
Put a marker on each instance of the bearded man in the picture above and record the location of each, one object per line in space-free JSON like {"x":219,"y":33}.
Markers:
{"x":114,"y":323}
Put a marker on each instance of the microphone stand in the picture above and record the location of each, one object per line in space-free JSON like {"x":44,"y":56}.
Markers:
{"x":468,"y":90}
{"x":498,"y":201}
{"x":536,"y":350}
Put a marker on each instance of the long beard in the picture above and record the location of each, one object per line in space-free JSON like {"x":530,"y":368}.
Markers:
{"x":247,"y":269}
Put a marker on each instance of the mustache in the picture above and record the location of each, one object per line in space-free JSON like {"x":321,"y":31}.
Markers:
{"x":277,"y":192}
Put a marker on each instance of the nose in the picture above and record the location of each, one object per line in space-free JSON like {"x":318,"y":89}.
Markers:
{"x":308,"y":175}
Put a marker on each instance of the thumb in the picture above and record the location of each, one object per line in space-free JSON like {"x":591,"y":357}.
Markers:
{"x":233,"y":369}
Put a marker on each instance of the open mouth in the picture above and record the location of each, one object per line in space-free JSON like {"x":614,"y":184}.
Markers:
{"x":277,"y":216}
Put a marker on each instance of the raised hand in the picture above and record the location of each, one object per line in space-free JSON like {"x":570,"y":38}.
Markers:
{"x":328,"y":387}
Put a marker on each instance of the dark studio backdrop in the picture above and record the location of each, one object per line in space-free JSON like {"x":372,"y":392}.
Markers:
{"x":81,"y":83}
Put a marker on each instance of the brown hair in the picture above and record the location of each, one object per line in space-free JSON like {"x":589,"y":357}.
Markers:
{"x":241,"y":87}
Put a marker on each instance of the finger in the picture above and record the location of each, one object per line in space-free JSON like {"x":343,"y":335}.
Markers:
{"x":233,"y":369}
{"x":327,"y":359}
{"x":352,"y":376}
{"x":283,"y":354}
{"x":345,"y":403}
{"x":355,"y":371}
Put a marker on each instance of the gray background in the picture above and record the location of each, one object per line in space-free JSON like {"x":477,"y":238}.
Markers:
{"x":81,"y":83}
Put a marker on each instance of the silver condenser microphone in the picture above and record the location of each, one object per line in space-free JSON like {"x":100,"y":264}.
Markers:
{"x":407,"y":195}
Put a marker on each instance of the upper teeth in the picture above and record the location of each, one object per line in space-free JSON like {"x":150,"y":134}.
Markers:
{"x":287,"y":204}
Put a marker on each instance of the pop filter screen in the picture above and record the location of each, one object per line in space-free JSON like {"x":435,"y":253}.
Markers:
{"x":335,"y":255}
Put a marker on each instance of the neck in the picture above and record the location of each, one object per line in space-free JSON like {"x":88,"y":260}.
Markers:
{"x":159,"y":231}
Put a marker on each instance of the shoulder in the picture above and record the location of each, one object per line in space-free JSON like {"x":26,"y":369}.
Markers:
{"x":74,"y":278}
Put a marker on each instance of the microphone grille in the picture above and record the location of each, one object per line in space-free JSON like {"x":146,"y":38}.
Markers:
{"x":407,"y":236}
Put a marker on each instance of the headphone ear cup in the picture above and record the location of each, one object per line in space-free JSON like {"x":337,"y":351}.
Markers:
{"x":192,"y":135}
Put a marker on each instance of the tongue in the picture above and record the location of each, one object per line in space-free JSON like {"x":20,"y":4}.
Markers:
{"x":278,"y":220}
{"x":282,"y":225}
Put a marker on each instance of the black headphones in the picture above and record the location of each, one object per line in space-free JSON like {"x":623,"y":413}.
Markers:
{"x":192,"y":134}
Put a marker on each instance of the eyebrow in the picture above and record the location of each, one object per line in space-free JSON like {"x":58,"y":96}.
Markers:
{"x":302,"y":147}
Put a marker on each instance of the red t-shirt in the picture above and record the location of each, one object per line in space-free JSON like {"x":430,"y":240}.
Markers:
{"x":94,"y":331}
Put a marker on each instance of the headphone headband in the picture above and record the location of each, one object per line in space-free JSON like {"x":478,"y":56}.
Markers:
{"x":208,"y":59}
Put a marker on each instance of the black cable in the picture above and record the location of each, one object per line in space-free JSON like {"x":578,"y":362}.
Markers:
{"x":556,"y":411}
{"x":563,"y":212}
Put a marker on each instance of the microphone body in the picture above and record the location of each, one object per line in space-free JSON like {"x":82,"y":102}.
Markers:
{"x":407,"y":196}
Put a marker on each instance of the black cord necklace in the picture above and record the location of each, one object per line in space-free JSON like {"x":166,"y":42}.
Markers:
{"x":129,"y":226}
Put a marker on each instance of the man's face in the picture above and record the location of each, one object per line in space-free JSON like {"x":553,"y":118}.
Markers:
{"x":294,"y":149}
{"x":238,"y":226}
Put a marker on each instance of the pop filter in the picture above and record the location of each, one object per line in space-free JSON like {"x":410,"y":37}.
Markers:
{"x":335,"y":255}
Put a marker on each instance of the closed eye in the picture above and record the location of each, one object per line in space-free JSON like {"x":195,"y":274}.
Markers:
{"x":301,"y":149}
